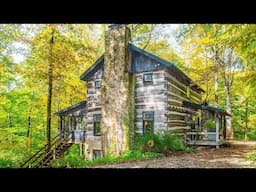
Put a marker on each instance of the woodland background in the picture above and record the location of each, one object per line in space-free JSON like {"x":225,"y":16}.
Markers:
{"x":221,"y":58}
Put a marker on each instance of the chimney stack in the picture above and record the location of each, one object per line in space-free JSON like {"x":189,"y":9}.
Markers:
{"x":117,"y":92}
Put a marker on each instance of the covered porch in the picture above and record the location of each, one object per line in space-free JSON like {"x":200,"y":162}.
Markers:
{"x":71,"y":123}
{"x":208,"y":125}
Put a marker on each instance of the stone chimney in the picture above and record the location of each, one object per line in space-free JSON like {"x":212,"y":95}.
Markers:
{"x":117,"y":92}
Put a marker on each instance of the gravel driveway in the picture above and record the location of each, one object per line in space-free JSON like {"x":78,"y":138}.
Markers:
{"x":203,"y":157}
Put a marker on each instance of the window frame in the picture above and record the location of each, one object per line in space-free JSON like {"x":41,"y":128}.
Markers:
{"x":148,"y":74}
{"x":151,"y":120}
{"x":95,"y":121}
{"x":97,"y":85}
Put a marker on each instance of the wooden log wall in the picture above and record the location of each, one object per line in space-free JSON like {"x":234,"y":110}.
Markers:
{"x":93,"y":106}
{"x":177,"y":92}
{"x":150,"y":97}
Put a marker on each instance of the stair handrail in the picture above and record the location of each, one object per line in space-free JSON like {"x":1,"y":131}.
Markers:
{"x":37,"y":155}
{"x":53,"y":143}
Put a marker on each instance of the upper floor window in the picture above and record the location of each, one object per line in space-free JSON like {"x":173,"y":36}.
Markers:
{"x":97,"y":83}
{"x":96,"y":125}
{"x":148,"y":77}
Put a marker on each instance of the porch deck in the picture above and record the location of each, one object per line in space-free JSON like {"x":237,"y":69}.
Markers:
{"x":201,"y":139}
{"x":205,"y":143}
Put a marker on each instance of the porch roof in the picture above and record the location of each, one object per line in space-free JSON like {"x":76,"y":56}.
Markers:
{"x":205,"y":107}
{"x":77,"y":110}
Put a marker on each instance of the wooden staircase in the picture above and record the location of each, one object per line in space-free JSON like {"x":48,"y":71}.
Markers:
{"x":44,"y":157}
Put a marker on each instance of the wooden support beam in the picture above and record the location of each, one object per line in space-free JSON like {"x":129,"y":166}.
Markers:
{"x":225,"y":128}
{"x":217,"y":121}
{"x":206,"y":143}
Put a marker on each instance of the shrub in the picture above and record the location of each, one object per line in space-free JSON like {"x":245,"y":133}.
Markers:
{"x":159,"y":143}
{"x":6,"y":163}
{"x":209,"y":124}
{"x":172,"y":142}
{"x":251,"y":157}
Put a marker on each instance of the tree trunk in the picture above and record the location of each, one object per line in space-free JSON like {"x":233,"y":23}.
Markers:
{"x":9,"y":120}
{"x":246,"y":120}
{"x":9,"y":125}
{"x":216,"y":85}
{"x":229,"y":111}
{"x":49,"y":99}
{"x":216,"y":80}
{"x":28,"y":128}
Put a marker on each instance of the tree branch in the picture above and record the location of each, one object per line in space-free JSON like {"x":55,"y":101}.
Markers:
{"x":149,"y":37}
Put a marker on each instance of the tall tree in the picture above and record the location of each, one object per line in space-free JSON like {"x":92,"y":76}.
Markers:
{"x":217,"y":43}
{"x":50,"y":80}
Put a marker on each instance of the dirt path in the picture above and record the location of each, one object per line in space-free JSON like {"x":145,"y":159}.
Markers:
{"x":203,"y":157}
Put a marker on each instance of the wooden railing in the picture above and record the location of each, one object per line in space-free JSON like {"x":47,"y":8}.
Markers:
{"x":75,"y":136}
{"x":201,"y":135}
{"x":35,"y":159}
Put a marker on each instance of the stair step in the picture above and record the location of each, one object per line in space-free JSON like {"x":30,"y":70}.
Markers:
{"x":55,"y":153}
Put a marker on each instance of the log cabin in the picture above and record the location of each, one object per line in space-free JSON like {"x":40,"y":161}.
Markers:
{"x":131,"y":91}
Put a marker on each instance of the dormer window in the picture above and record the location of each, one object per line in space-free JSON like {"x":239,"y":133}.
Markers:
{"x":147,"y":78}
{"x":97,"y":83}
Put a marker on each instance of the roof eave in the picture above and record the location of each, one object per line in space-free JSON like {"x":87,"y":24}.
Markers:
{"x":91,"y":69}
{"x":166,"y":64}
{"x":70,"y":108}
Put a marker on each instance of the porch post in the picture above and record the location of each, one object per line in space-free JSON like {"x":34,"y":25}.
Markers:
{"x":217,"y":120}
{"x":224,"y":128}
{"x":61,"y":126}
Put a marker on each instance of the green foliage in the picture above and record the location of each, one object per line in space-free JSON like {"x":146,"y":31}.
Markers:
{"x":173,"y":142}
{"x":72,"y":159}
{"x":162,"y":142}
{"x":141,"y":143}
{"x":6,"y":163}
{"x":13,"y":150}
{"x":209,"y":124}
{"x":141,"y":149}
{"x":244,"y":108}
{"x":251,"y":157}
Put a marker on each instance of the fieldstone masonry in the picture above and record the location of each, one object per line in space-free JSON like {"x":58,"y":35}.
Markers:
{"x":117,"y":92}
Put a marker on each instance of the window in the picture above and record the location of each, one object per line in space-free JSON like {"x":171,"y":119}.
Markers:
{"x":147,"y":78}
{"x":96,"y":154}
{"x":98,"y":83}
{"x":148,"y":122}
{"x":96,"y":124}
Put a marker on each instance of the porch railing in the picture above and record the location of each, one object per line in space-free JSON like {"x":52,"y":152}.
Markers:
{"x":74,"y":136}
{"x":203,"y":136}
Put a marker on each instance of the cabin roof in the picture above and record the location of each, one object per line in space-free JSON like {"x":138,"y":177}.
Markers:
{"x":205,"y":107}
{"x":174,"y":69}
{"x":91,"y":70}
{"x":72,"y":109}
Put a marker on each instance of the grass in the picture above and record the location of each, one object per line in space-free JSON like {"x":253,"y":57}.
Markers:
{"x":72,"y":159}
{"x":128,"y":156}
{"x":251,"y":157}
{"x":13,"y":150}
{"x":145,"y":147}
